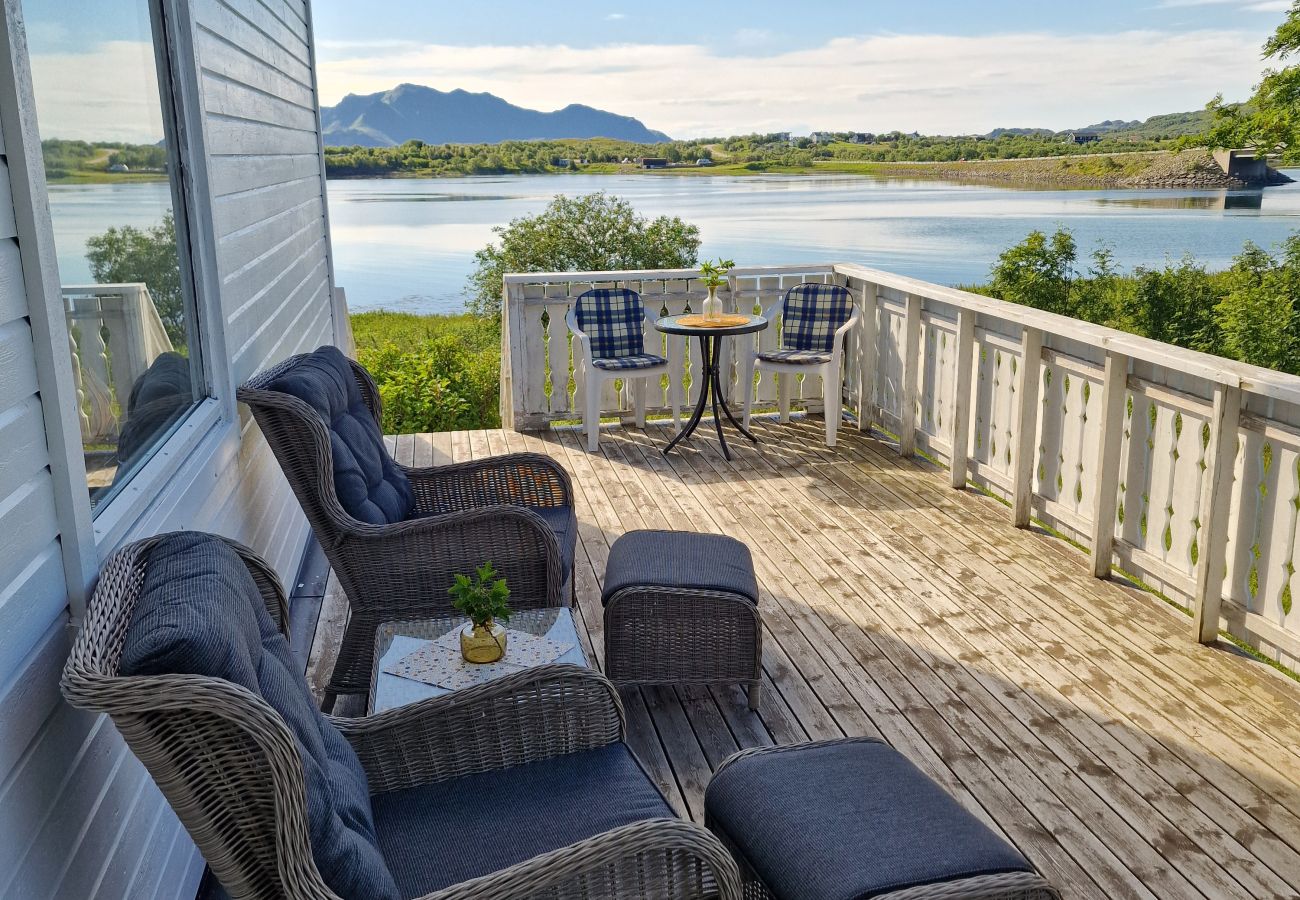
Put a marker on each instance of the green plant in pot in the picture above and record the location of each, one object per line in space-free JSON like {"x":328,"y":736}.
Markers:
{"x":714,"y":276}
{"x":483,"y":600}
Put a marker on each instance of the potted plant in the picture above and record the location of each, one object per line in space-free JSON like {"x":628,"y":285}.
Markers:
{"x":715,"y":275}
{"x":482,"y":599}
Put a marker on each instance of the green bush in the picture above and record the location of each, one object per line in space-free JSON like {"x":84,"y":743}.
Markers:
{"x":435,"y":373}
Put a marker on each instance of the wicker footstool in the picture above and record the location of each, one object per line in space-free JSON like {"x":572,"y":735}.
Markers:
{"x":682,"y":608}
{"x":853,"y":818}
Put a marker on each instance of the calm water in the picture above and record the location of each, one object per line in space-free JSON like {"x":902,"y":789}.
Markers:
{"x":409,"y":244}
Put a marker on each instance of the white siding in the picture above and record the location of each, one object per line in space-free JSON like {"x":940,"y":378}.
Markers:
{"x":79,"y":816}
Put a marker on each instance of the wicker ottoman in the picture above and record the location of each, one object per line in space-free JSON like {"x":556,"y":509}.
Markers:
{"x":682,"y":608}
{"x":853,"y":818}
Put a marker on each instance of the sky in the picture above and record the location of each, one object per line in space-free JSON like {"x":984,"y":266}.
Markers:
{"x":692,"y":69}
{"x":714,"y":69}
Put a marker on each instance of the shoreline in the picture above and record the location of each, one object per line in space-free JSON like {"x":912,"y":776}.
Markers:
{"x":1140,"y":169}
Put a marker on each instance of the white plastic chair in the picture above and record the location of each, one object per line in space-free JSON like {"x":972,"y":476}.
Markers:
{"x":815,"y":319}
{"x":610,"y":323}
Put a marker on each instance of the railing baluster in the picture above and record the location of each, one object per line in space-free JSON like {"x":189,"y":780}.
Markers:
{"x":1215,"y":504}
{"x":911,"y":376}
{"x":868,"y":356}
{"x":1025,"y":430}
{"x":1105,"y":498}
{"x":961,"y":397}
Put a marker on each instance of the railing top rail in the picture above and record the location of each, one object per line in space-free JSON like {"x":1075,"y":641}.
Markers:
{"x":816,"y":268}
{"x":125,"y":287}
{"x":1253,"y":379}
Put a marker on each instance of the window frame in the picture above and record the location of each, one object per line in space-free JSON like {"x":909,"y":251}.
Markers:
{"x":204,"y":442}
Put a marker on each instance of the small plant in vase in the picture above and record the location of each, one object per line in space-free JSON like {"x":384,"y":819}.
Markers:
{"x":715,"y":276}
{"x":482,"y":599}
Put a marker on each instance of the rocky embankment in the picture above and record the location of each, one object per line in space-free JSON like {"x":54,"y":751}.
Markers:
{"x":1160,"y":169}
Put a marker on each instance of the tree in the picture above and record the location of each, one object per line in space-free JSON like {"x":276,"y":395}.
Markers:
{"x":1038,"y":272}
{"x":1270,"y":119}
{"x":128,"y":254}
{"x":1255,"y":316}
{"x":1175,"y":304}
{"x":587,"y":233}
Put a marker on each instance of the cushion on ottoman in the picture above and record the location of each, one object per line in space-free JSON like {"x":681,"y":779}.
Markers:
{"x":682,"y":559}
{"x":847,"y":820}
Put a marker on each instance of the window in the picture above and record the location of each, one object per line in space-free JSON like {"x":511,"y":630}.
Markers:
{"x":102,"y":82}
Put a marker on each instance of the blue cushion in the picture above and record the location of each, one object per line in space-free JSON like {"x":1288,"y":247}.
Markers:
{"x":811,"y":314}
{"x":711,"y":562}
{"x":370,"y":486}
{"x":847,"y":820}
{"x":446,"y":833}
{"x":564,"y":522}
{"x":200,"y":613}
{"x":640,"y":361}
{"x":612,"y":319}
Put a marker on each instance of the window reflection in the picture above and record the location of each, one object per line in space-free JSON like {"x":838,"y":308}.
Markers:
{"x":107,"y":141}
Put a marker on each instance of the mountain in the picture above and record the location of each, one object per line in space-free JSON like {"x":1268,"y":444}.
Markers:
{"x":413,"y":112}
{"x":1163,"y":126}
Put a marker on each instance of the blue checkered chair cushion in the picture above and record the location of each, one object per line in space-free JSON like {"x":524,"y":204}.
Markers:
{"x":640,"y":361}
{"x":798,"y":357}
{"x":812,"y":313}
{"x":612,"y":318}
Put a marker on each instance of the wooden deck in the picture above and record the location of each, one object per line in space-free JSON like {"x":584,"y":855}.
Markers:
{"x":1076,"y":716}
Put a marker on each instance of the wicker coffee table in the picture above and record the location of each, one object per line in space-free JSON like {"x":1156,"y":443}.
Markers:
{"x":396,"y":639}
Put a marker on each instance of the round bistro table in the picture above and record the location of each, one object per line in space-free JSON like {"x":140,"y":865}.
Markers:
{"x":710,"y":348}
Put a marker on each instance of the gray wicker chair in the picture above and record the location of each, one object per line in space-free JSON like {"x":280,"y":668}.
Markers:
{"x":464,"y":514}
{"x":230,"y":767}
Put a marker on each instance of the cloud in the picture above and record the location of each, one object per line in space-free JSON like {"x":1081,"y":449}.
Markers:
{"x":928,"y":82}
{"x":72,"y":103}
{"x":752,"y":37}
{"x":615,"y":17}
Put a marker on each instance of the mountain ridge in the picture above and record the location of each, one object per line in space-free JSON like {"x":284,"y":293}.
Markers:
{"x":1165,"y":125}
{"x":417,"y":112}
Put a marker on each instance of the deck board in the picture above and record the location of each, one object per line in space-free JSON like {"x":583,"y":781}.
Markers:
{"x":1074,"y":715}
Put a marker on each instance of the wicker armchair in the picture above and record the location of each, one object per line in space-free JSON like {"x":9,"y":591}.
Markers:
{"x":464,"y":514}
{"x":230,"y":767}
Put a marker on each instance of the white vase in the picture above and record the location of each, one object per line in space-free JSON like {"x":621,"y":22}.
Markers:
{"x":712,"y":306}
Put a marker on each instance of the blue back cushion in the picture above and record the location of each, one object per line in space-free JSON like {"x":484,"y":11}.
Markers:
{"x":200,"y":613}
{"x":612,"y":318}
{"x":811,"y":315}
{"x":370,"y":486}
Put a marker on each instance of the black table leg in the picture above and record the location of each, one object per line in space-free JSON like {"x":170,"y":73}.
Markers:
{"x":694,"y":420}
{"x":715,"y":388}
{"x":711,"y":390}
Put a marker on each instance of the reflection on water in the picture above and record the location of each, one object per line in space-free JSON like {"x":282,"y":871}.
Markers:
{"x":1213,"y":200}
{"x":409,"y":244}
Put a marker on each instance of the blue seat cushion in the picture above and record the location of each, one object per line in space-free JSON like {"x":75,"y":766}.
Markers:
{"x":640,"y":361}
{"x":446,"y":833}
{"x":370,"y":486}
{"x":795,"y":357}
{"x":199,"y":612}
{"x":685,"y":559}
{"x":564,"y":522}
{"x":847,"y":820}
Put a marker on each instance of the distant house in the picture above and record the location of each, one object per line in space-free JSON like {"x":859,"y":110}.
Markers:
{"x":654,"y":162}
{"x":823,"y":137}
{"x":1082,"y":137}
{"x":704,"y":161}
{"x":861,"y":137}
{"x":781,"y":137}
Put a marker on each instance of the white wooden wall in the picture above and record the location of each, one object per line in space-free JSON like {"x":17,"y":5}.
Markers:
{"x":79,"y":816}
{"x":266,"y":177}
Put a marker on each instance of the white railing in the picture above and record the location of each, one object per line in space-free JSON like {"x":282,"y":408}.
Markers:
{"x":114,"y":333}
{"x":1180,"y":468}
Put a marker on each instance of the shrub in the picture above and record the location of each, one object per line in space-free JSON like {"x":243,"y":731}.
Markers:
{"x":435,"y":373}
